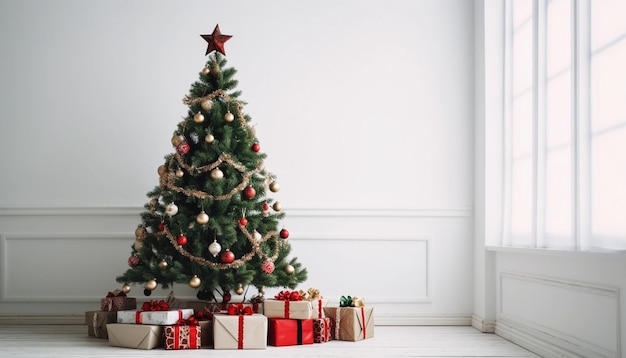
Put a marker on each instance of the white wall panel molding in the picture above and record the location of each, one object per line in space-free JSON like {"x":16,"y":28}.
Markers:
{"x":549,"y":315}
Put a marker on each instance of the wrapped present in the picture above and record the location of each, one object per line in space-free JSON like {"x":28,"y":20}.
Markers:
{"x":352,"y":321}
{"x":185,"y":334}
{"x":216,"y":307}
{"x":154,"y":312}
{"x":96,"y":322}
{"x":321,"y":329}
{"x":205,"y":321}
{"x":288,"y":305}
{"x":138,"y":336}
{"x":289,"y":332}
{"x":117,"y":301}
{"x":239,"y":329}
{"x":317,"y":301}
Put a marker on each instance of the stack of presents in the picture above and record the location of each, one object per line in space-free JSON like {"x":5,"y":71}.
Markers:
{"x":290,"y":318}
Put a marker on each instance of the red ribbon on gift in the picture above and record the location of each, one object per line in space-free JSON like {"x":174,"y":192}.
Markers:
{"x":155,"y":306}
{"x":239,"y":309}
{"x":193,"y":337}
{"x":191,"y":321}
{"x":364,"y":323}
{"x":204,"y":316}
{"x":288,"y":296}
{"x":116,"y":293}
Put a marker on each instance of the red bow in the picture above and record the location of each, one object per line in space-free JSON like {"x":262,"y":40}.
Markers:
{"x":116,"y":293}
{"x":239,"y":309}
{"x":191,"y":321}
{"x":204,"y":315}
{"x":288,"y":296}
{"x":155,"y":306}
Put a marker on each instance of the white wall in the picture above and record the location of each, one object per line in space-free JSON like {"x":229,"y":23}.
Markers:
{"x":364,"y":108}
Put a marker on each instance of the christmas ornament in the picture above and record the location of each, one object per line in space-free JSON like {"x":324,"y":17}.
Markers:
{"x":182,"y":148}
{"x":266,"y":207}
{"x":274,"y":187}
{"x":154,"y":202}
{"x":194,"y":137}
{"x":209,"y":138}
{"x":217,"y":174}
{"x":243,"y":221}
{"x":249,"y":192}
{"x":161,"y":226}
{"x":267,"y":266}
{"x":198,"y":117}
{"x":177,"y":139}
{"x":207,"y":104}
{"x":216,"y":41}
{"x":202,"y":218}
{"x":140,"y":232}
{"x":215,"y":248}
{"x":227,"y":256}
{"x":162,"y":169}
{"x":256,"y":147}
{"x":152,"y":284}
{"x":147,"y":292}
{"x":126,"y":288}
{"x":171,"y":209}
{"x":284,"y":233}
{"x":229,"y":117}
{"x":289,"y":269}
{"x":181,"y":240}
{"x":133,"y":261}
{"x":226,"y":296}
{"x":239,"y":290}
{"x":205,"y":70}
{"x":180,"y":173}
{"x":195,"y":282}
{"x":162,"y":264}
{"x":277,"y":206}
{"x":138,"y":245}
{"x":257,"y":236}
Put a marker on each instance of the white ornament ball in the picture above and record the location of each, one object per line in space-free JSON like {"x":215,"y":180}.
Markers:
{"x":202,"y":218}
{"x":209,"y":138}
{"x":171,"y":209}
{"x":217,"y":174}
{"x":215,"y":248}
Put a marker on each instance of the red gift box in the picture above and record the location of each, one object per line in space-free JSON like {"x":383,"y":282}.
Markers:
{"x":321,"y":330}
{"x":290,"y":332}
{"x":182,"y":337}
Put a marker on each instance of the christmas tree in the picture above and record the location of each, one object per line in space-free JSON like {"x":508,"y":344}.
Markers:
{"x":210,"y":222}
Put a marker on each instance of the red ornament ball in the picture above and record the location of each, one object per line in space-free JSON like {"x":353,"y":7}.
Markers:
{"x":267,"y":266}
{"x":182,"y":148}
{"x":249,"y":192}
{"x":182,"y":240}
{"x":243,"y":221}
{"x":266,"y":206}
{"x":284,"y":233}
{"x":227,"y":256}
{"x":161,"y":226}
{"x":133,"y":260}
{"x":256,"y":147}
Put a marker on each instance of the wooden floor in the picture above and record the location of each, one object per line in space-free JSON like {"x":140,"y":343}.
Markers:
{"x":389,"y":341}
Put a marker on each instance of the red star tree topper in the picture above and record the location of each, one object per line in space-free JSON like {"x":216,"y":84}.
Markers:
{"x":216,"y":41}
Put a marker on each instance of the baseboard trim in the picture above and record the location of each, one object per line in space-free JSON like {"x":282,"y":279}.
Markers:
{"x":482,"y":325}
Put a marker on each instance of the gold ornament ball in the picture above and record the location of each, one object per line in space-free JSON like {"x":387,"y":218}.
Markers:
{"x":152,"y":284}
{"x":209,"y":138}
{"x":154,"y":202}
{"x":163,"y":264}
{"x":140,"y":232}
{"x":202,"y":218}
{"x":180,"y":173}
{"x":198,"y":117}
{"x":229,"y":117}
{"x":162,"y":169}
{"x":277,"y":206}
{"x":205,"y":71}
{"x":215,"y":69}
{"x":274,"y":187}
{"x":207,"y":104}
{"x":195,"y":282}
{"x":176,"y":139}
{"x":239,"y":290}
{"x":138,"y":245}
{"x":289,"y":269}
{"x":126,"y":288}
{"x":217,"y":174}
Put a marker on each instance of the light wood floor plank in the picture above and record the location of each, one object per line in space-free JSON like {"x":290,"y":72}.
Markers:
{"x":389,"y":341}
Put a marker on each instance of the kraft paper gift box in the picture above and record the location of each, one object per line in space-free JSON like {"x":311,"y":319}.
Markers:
{"x":206,"y":333}
{"x":351,"y":323}
{"x":226,"y":331}
{"x":321,"y":330}
{"x":164,"y":318}
{"x":287,"y":309}
{"x":182,"y":337}
{"x":96,"y":322}
{"x":290,"y":332}
{"x":139,"y":336}
{"x":117,"y":301}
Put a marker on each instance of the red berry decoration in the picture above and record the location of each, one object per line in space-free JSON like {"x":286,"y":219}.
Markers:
{"x":249,"y":192}
{"x":133,"y":260}
{"x":256,"y":147}
{"x":161,"y":226}
{"x":182,"y":148}
{"x":182,"y":240}
{"x":267,"y":266}
{"x":243,"y":221}
{"x":227,"y":256}
{"x":284,"y":233}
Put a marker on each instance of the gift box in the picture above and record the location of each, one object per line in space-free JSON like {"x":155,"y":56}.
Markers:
{"x":186,"y":336}
{"x":96,"y":322}
{"x":216,"y":307}
{"x":164,"y":318}
{"x":117,"y":301}
{"x":239,"y":331}
{"x":287,"y":309}
{"x":138,"y":336}
{"x":289,"y":332}
{"x":321,"y":330}
{"x":206,"y":333}
{"x":351,"y":323}
{"x":317,"y":301}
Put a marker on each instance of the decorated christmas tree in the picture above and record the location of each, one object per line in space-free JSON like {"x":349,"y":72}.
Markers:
{"x":210,"y":222}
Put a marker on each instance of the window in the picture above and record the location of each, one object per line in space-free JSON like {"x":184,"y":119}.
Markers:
{"x":565,"y":124}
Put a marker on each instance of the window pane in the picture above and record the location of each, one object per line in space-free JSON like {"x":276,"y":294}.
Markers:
{"x":558,"y":42}
{"x":522,"y":58}
{"x":607,"y":21}
{"x":608,"y":87}
{"x":522,"y":126}
{"x":559,"y":198}
{"x":521,"y":203}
